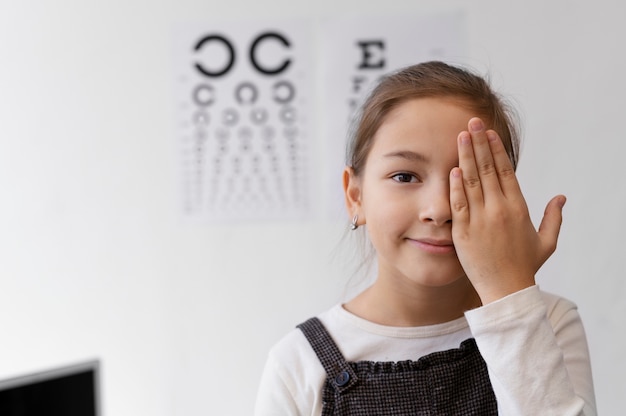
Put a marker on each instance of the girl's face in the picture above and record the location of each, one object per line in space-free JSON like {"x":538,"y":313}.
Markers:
{"x":403,"y":194}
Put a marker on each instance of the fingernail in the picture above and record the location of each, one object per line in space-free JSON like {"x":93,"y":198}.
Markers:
{"x":464,"y":137}
{"x":561,"y":202}
{"x":492,"y":136}
{"x":476,"y":124}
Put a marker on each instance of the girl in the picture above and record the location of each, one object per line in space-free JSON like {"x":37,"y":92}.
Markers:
{"x":454,"y":323}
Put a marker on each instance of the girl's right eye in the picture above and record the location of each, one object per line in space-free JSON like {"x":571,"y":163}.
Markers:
{"x":405,"y":178}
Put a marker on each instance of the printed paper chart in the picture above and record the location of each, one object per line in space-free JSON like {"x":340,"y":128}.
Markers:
{"x":242,"y":121}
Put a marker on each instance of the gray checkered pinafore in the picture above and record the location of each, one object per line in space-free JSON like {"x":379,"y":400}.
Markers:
{"x":453,"y":382}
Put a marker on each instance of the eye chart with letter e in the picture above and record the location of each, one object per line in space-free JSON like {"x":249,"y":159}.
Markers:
{"x":242,"y":104}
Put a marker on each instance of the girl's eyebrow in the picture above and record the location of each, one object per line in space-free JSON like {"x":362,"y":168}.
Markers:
{"x":408,"y":155}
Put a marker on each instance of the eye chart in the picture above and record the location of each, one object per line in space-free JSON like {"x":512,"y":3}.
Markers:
{"x":242,"y":109}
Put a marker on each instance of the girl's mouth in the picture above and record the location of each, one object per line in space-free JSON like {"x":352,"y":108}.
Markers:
{"x":433,"y":246}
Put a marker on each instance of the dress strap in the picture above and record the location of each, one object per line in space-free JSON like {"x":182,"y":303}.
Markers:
{"x":339,"y":372}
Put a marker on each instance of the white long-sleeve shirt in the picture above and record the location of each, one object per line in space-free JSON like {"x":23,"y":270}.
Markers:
{"x":533,"y":342}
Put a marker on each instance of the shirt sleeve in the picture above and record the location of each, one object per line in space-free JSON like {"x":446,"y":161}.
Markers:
{"x":274,"y":397}
{"x":536,"y":353}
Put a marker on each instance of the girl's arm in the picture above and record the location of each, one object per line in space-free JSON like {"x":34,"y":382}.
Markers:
{"x":536,"y":351}
{"x":274,"y":397}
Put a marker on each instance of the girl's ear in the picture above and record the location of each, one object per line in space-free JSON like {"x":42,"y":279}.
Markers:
{"x":352,"y":193}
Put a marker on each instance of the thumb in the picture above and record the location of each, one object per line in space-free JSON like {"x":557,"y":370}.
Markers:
{"x":551,"y":225}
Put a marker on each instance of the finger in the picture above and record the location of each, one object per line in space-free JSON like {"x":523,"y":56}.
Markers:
{"x":550,"y":226}
{"x":471,"y":181}
{"x":485,"y":163}
{"x":458,"y":200}
{"x":504,"y":168}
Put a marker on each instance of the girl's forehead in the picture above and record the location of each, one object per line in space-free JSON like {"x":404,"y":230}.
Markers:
{"x":423,"y":122}
{"x":429,"y":111}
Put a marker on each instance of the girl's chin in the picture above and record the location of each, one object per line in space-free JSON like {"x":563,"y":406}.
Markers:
{"x":438,"y":278}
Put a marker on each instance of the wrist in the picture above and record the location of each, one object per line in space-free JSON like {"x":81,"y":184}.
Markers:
{"x":493,"y":294}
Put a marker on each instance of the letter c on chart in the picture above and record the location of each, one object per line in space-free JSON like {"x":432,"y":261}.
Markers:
{"x":289,"y":92}
{"x":230,"y":50}
{"x":246,"y":93}
{"x":253,"y":53}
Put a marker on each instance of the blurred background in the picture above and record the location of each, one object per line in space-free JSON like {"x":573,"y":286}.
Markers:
{"x":100,"y":260}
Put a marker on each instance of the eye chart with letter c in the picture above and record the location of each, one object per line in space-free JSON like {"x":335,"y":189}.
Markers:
{"x":242,"y":104}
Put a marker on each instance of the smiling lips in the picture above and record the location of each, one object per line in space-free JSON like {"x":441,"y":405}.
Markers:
{"x":433,"y":246}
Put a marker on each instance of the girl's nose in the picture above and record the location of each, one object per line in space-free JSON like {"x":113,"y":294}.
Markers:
{"x":435,"y":207}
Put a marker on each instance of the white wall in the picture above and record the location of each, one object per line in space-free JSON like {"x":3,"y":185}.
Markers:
{"x":96,"y":262}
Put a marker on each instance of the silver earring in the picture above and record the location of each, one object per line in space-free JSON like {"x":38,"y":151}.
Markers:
{"x":353,"y":224}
